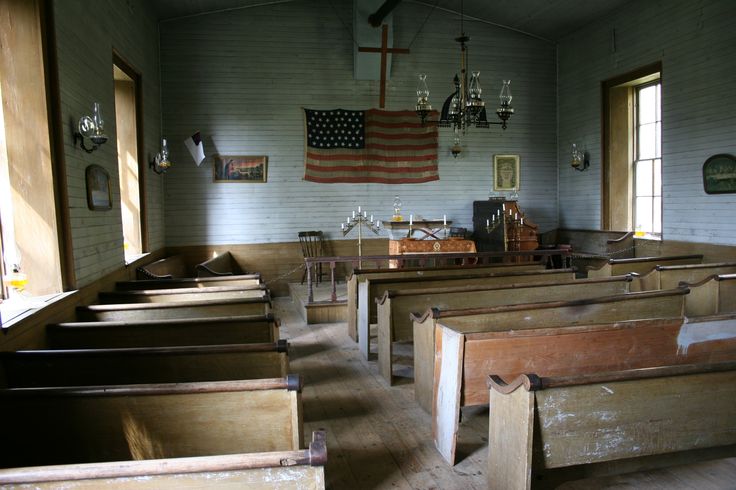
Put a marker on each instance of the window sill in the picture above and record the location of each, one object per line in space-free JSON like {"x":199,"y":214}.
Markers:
{"x":639,"y":235}
{"x":129,"y":259}
{"x":18,"y":307}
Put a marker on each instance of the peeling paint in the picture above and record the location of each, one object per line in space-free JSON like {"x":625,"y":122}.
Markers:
{"x":607,"y":389}
{"x":699,"y":332}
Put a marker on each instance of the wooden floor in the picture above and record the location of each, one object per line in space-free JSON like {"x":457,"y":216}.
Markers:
{"x":379,"y":438}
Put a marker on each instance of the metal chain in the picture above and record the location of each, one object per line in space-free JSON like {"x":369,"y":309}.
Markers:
{"x":603,"y":255}
{"x":283,"y":276}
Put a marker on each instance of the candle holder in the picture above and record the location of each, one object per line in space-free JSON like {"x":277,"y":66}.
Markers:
{"x":360,"y":220}
{"x":512,"y":226}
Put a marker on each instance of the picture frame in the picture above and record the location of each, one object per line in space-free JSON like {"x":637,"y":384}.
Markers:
{"x":99,"y":194}
{"x":240,"y":169}
{"x":506,"y":175}
{"x":719,"y":174}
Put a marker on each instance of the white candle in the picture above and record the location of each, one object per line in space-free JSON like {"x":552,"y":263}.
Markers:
{"x":353,"y":214}
{"x":488,"y":222}
{"x":411,"y":219}
{"x":516,"y":216}
{"x":504,"y":207}
{"x":342,"y":226}
{"x":347,"y":221}
{"x":358,"y":209}
{"x":499,"y":213}
{"x":522,"y":221}
{"x":365,"y":214}
{"x":444,"y":219}
{"x":378,"y":224}
{"x":371,"y":218}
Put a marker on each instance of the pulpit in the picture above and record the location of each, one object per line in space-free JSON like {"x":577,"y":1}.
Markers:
{"x":500,"y":225}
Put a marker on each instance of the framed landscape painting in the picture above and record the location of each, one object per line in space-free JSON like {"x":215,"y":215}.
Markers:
{"x":243,"y":169}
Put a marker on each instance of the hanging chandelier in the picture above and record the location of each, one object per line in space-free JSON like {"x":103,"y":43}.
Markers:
{"x":465,"y":106}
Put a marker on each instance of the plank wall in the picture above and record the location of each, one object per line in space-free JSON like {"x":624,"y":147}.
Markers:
{"x":241,"y":77}
{"x":694,"y":41}
{"x":87,"y":31}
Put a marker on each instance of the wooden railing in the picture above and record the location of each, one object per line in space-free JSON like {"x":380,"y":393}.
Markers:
{"x":425,"y":261}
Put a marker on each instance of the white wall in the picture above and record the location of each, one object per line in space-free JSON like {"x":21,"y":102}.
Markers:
{"x":87,"y":31}
{"x":695,"y":42}
{"x":241,"y":78}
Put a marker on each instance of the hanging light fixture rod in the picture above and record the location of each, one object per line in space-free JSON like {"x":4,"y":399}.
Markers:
{"x":376,"y":18}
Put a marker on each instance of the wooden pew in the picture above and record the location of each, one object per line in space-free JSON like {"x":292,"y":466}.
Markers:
{"x":222,"y":265}
{"x":359,"y":275}
{"x":166,"y":268}
{"x":462,"y":354}
{"x":162,"y":333}
{"x":396,"y":306}
{"x":141,"y":365}
{"x":70,"y":425}
{"x":179,"y":309}
{"x":670,"y":276}
{"x":181,"y":294}
{"x":603,"y":420}
{"x":641,"y":265}
{"x":189,"y":282}
{"x":563,"y":351}
{"x":372,"y":288}
{"x":711,"y":296}
{"x":302,"y":469}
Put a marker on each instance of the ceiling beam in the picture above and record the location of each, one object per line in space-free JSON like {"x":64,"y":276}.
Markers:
{"x":376,"y":18}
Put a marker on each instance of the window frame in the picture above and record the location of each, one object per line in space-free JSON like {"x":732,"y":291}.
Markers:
{"x":655,"y":160}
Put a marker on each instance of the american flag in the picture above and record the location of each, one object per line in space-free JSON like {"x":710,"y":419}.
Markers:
{"x":387,"y":147}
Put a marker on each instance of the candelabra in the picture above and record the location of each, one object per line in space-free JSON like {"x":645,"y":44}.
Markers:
{"x":360,"y":220}
{"x":512,"y":223}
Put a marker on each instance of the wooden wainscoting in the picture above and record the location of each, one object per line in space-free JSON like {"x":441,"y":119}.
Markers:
{"x":710,"y":252}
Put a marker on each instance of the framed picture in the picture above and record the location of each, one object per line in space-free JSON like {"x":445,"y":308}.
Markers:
{"x":228,"y":168}
{"x":719,"y":174}
{"x":506,"y":172}
{"x":99,"y":195}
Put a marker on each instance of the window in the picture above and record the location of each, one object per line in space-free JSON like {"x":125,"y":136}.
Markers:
{"x":129,"y":139}
{"x":648,"y":160}
{"x":28,"y":220}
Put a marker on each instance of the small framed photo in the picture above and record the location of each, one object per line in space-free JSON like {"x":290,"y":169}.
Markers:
{"x":719,"y":174}
{"x":243,"y":169}
{"x":99,"y":194}
{"x":506,"y":172}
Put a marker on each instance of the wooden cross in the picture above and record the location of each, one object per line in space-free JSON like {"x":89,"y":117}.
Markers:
{"x":384,"y":50}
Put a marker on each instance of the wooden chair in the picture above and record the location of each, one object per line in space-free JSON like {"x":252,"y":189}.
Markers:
{"x":312,"y":246}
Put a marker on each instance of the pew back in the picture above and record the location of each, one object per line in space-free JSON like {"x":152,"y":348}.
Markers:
{"x":222,"y":265}
{"x":670,"y":276}
{"x":370,"y":289}
{"x":608,"y":417}
{"x":189,"y":282}
{"x":182,"y":294}
{"x":631,"y":306}
{"x":641,"y":265}
{"x":396,"y":306}
{"x":711,"y":296}
{"x":166,"y":268}
{"x":305,"y":471}
{"x":359,"y":275}
{"x":179,"y":309}
{"x":115,"y":423}
{"x":162,"y":333}
{"x":143,"y":365}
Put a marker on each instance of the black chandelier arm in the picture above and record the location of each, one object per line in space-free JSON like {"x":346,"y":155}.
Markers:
{"x":80,"y":137}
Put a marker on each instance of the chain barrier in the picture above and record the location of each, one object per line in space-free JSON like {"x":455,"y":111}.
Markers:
{"x":603,"y":255}
{"x":284,"y":276}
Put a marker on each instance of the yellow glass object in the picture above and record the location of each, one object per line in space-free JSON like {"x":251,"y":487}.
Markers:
{"x":397,"y":217}
{"x":17,"y":280}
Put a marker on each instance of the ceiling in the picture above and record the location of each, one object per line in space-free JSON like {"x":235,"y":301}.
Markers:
{"x":547,"y":19}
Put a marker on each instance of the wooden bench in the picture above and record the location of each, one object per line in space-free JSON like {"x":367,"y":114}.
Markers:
{"x":303,"y":469}
{"x":449,"y":374}
{"x":670,"y":276}
{"x":592,"y":248}
{"x":179,"y":309}
{"x":162,"y":333}
{"x":641,"y":265}
{"x":181,"y":294}
{"x":372,"y":288}
{"x":359,"y":275}
{"x":396,"y":306}
{"x":166,"y":268}
{"x":52,"y":426}
{"x":608,"y":422}
{"x":711,"y":296}
{"x":222,"y":265}
{"x":140,"y":365}
{"x":189,"y":282}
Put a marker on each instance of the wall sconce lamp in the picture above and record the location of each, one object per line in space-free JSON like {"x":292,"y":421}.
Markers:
{"x":580,"y":159}
{"x":161,"y":163}
{"x":93,"y":128}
